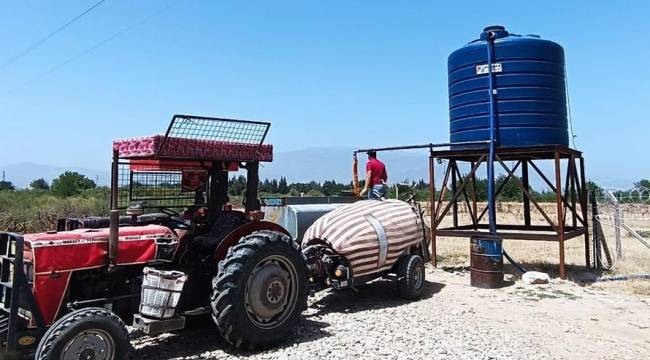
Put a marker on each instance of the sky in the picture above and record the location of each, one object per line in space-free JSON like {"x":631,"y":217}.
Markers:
{"x":325,"y":73}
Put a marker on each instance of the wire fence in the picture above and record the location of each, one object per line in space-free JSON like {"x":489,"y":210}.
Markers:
{"x":621,"y":229}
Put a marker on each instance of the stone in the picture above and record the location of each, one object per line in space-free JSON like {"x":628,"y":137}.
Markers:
{"x":535,"y":277}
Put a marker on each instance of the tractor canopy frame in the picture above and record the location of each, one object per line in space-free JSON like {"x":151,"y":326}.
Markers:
{"x":153,"y":170}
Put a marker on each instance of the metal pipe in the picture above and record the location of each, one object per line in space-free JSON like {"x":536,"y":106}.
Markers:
{"x":425,"y":146}
{"x":490,"y":165}
{"x":355,"y":175}
{"x":114,"y":229}
{"x":560,"y":212}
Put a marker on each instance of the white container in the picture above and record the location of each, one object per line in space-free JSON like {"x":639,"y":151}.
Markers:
{"x":161,"y":291}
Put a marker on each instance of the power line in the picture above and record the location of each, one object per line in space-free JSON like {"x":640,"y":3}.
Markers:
{"x":94,"y":47}
{"x":40,"y":42}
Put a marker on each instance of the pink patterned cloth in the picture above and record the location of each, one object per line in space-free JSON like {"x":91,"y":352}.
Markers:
{"x":146,"y":147}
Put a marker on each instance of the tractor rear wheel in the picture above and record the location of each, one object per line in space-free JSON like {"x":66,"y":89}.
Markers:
{"x":260,"y":290}
{"x":89,"y":333}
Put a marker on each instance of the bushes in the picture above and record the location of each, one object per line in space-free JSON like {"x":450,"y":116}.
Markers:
{"x":71,"y":183}
{"x":27,"y":211}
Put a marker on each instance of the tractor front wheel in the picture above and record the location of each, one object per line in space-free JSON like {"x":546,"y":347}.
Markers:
{"x":260,"y":290}
{"x":89,"y":333}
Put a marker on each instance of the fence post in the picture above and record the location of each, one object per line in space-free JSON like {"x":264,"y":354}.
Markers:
{"x":617,"y":224}
{"x":595,"y":233}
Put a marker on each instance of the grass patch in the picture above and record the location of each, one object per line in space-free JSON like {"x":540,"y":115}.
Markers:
{"x":26,"y":211}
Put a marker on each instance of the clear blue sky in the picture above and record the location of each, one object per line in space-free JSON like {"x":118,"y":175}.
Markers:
{"x":326,"y":73}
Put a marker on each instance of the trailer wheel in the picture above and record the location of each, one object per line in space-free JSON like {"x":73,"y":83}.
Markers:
{"x":410,"y":276}
{"x":89,"y":333}
{"x":260,"y":290}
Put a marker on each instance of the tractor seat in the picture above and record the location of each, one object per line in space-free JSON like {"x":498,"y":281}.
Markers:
{"x":225,"y":223}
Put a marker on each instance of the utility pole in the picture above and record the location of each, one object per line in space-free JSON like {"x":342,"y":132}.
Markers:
{"x":3,"y":175}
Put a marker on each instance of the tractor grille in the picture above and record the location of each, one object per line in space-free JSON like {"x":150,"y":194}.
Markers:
{"x":17,"y":303}
{"x":11,"y":251}
{"x":7,"y":262}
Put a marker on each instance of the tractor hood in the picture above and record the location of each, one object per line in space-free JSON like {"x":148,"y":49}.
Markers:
{"x":88,"y":248}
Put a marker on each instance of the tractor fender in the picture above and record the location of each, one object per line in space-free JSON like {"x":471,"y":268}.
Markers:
{"x":243,"y":230}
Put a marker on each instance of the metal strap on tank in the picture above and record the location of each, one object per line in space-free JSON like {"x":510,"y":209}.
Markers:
{"x":381,"y":238}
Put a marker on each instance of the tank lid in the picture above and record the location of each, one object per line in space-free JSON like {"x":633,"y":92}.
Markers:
{"x":497,"y":31}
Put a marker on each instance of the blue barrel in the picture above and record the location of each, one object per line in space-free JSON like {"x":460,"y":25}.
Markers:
{"x":486,"y":262}
{"x":530,"y":97}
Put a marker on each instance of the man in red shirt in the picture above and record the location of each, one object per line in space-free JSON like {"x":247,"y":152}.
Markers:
{"x":376,"y":177}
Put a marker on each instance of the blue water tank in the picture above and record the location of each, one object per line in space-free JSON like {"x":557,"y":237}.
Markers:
{"x":530,"y":96}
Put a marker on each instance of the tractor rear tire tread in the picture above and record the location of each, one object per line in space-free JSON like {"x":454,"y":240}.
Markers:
{"x":228,"y":309}
{"x":103,"y":317}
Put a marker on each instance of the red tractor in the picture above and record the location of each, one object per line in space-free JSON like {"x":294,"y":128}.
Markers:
{"x":173,"y":248}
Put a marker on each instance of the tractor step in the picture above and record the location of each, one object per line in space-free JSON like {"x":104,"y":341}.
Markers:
{"x":157,"y":326}
{"x":4,"y":324}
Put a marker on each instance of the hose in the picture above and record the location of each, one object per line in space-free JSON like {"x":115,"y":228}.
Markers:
{"x":639,"y":276}
{"x":514,"y":263}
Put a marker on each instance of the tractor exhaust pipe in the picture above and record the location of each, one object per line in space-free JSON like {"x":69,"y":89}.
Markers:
{"x":114,"y":233}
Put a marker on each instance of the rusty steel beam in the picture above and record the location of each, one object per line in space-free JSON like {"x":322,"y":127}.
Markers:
{"x":552,"y":188}
{"x":574,"y":215}
{"x":505,"y":235}
{"x":474,"y":196}
{"x":454,"y":188}
{"x":559,"y":203}
{"x":558,"y":230}
{"x":499,"y":189}
{"x":526,"y":200}
{"x":527,"y":193}
{"x":462,"y":186}
{"x":569,"y":232}
{"x":443,"y":190}
{"x":584,"y":204}
{"x":472,"y":214}
{"x":432,"y":209}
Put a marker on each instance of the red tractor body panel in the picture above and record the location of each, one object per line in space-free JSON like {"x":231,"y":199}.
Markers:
{"x":56,"y":255}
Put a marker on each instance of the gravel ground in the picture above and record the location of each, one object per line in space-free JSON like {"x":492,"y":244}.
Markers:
{"x":451,"y":321}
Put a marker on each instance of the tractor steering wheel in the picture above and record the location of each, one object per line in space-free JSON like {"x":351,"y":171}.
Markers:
{"x":175,"y":218}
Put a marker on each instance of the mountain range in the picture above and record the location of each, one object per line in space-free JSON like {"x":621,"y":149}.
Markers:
{"x":319,"y":164}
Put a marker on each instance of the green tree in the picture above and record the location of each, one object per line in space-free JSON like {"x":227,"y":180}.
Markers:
{"x":71,"y":183}
{"x":643,"y":183}
{"x":237,"y":185}
{"x":283,"y":187}
{"x":510,"y":191}
{"x":592,"y":186}
{"x":39,"y":184}
{"x":7,"y":185}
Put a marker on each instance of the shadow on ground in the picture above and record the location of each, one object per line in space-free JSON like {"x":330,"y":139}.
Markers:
{"x":202,"y":340}
{"x":375,"y":295}
{"x":575,"y":273}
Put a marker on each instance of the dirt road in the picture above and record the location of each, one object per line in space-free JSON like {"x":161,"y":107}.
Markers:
{"x":452,"y":321}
